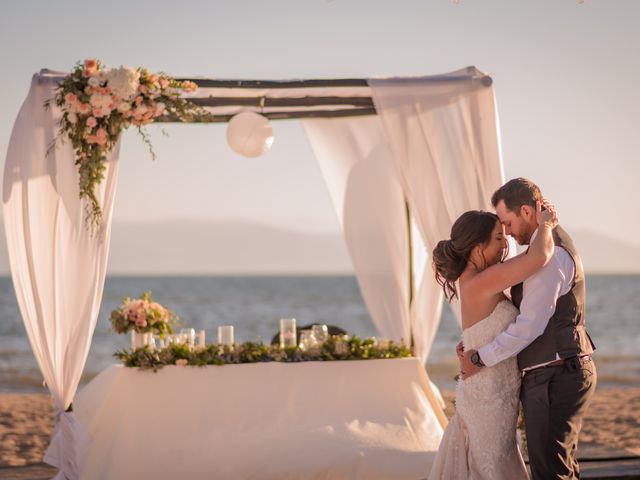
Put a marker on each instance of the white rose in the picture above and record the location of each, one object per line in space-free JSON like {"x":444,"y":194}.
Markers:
{"x":124,"y":107}
{"x":96,"y":100}
{"x":94,"y":81}
{"x":159,"y":109}
{"x":106,"y":101}
{"x":123,"y":82}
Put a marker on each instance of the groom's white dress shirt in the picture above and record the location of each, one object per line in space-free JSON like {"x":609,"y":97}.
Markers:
{"x":539,"y":295}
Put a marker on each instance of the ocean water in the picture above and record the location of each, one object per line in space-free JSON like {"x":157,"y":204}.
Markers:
{"x":254,"y":306}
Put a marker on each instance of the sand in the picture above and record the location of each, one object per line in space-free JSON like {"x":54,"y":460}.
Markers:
{"x":612,"y":425}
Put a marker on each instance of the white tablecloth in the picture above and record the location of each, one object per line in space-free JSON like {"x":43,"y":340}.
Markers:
{"x":368,"y":419}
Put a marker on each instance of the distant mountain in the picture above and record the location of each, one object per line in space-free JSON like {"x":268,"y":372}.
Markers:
{"x":601,"y":254}
{"x":200,"y":247}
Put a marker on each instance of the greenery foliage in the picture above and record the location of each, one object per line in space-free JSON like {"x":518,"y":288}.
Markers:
{"x":335,"y":348}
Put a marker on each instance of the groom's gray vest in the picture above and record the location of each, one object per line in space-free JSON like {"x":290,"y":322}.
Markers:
{"x":565,"y":332}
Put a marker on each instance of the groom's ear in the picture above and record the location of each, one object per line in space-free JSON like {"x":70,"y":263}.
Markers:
{"x":527,"y":212}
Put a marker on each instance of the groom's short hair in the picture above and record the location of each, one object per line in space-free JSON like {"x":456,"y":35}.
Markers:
{"x":516,"y":193}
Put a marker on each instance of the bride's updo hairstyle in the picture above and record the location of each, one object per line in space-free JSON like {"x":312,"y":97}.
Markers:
{"x":450,"y":257}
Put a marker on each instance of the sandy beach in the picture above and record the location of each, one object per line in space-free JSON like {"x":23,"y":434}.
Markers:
{"x":612,"y":426}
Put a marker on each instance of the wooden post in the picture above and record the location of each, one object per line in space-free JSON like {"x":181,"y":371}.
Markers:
{"x":411,"y":279}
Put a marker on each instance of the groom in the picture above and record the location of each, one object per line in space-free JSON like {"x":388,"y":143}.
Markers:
{"x":549,"y":338}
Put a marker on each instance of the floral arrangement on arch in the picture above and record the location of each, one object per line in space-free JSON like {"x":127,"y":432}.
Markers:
{"x":143,"y":315}
{"x":98,"y":102}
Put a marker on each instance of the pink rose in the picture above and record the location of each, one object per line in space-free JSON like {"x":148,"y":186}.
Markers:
{"x":91,"y":122}
{"x":92,"y":139}
{"x":164,"y":83}
{"x":84,"y":108}
{"x":98,"y":113}
{"x":101,"y":135}
{"x":70,"y":98}
{"x":141,"y":322}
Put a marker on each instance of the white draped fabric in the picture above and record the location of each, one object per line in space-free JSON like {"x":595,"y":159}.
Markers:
{"x":58,"y":266}
{"x":356,"y":165}
{"x":310,"y":420}
{"x":443,"y":135}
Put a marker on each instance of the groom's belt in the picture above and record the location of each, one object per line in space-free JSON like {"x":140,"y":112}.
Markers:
{"x":573,"y":362}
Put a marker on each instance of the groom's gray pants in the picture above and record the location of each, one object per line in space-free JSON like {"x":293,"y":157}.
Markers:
{"x":554,"y":400}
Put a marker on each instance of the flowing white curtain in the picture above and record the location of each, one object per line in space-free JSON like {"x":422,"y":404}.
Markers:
{"x":443,"y":136}
{"x":58,"y":266}
{"x":355,"y":162}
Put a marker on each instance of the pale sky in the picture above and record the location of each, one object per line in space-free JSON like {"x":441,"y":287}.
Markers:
{"x":565,"y":74}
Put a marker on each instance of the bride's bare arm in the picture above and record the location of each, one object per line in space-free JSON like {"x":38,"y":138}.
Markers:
{"x":501,"y":276}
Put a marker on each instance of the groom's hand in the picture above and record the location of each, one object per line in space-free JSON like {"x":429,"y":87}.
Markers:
{"x":468,"y":369}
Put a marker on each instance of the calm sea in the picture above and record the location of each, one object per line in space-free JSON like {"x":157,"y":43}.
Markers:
{"x":254,"y":306}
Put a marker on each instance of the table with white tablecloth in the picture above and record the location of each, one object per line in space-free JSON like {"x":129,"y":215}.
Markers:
{"x":370,"y":419}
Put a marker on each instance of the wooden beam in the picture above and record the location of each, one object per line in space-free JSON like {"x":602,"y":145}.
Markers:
{"x":269,"y":102}
{"x":338,"y":82}
{"x":284,"y":115}
{"x":314,"y":83}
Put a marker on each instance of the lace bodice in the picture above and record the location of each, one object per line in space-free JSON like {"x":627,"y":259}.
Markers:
{"x":486,"y":330}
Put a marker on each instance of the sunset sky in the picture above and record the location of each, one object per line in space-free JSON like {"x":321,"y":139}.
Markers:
{"x":565,"y":76}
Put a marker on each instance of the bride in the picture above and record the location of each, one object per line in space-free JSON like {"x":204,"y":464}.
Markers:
{"x":480,"y":440}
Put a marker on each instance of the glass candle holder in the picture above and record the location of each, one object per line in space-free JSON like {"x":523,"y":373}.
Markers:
{"x":321,"y":333}
{"x":188,"y":336}
{"x":307,"y":340}
{"x":287,"y":332}
{"x":225,"y":335}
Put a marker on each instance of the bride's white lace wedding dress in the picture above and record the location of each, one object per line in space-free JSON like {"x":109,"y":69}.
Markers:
{"x":480,"y":440}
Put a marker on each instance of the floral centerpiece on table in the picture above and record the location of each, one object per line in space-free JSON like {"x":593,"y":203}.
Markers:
{"x":98,"y":102}
{"x":142,"y":315}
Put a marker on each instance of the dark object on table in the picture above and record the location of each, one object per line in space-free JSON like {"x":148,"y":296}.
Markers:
{"x":333,"y":330}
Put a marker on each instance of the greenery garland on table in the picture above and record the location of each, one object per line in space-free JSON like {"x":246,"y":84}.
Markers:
{"x":335,"y":348}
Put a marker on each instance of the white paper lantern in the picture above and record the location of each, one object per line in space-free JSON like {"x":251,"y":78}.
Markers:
{"x":249,"y":134}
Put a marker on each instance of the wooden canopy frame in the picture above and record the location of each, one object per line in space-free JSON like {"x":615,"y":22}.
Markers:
{"x":331,"y":106}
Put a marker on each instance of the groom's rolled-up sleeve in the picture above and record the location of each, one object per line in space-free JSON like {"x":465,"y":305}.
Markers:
{"x":539,"y":296}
